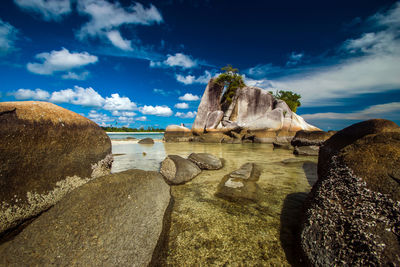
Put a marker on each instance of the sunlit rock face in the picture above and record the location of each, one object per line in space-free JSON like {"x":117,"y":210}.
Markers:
{"x":252,"y":108}
{"x":353,"y":212}
{"x":45,"y":152}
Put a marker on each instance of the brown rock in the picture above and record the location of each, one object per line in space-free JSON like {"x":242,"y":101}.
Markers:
{"x":176,"y":133}
{"x":306,"y":150}
{"x":311,"y":138}
{"x":46,"y":151}
{"x":205,"y":161}
{"x":177,"y":170}
{"x":116,"y":220}
{"x":146,"y":141}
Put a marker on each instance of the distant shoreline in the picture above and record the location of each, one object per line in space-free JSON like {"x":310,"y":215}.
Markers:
{"x":135,"y":132}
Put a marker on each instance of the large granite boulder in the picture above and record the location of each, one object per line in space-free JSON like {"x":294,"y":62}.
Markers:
{"x":311,"y":138}
{"x":115,"y":220}
{"x":206,"y":161}
{"x":176,"y":133}
{"x":146,"y":141}
{"x":177,"y":170}
{"x":45,"y":152}
{"x":353,"y":211}
{"x":240,"y":184}
{"x":210,"y":102}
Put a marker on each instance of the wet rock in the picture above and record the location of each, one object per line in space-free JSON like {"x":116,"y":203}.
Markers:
{"x":240,"y":184}
{"x":353,"y":211}
{"x":205,"y":161}
{"x":306,"y":150}
{"x":176,"y":133}
{"x":311,"y":138}
{"x":177,"y":170}
{"x":114,"y":220}
{"x":46,"y":151}
{"x":147,"y":141}
{"x":282,"y":145}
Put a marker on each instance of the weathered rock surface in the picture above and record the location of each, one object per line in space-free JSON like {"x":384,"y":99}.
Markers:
{"x":240,"y":184}
{"x":176,"y":133}
{"x":311,"y":138}
{"x":45,"y":152}
{"x":205,"y":161}
{"x":306,"y":150}
{"x":282,"y":145}
{"x":116,"y":220}
{"x":146,"y":141}
{"x":353,"y":211}
{"x":177,"y":170}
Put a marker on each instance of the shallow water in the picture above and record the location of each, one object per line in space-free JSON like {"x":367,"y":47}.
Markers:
{"x":210,"y":231}
{"x":137,"y":135}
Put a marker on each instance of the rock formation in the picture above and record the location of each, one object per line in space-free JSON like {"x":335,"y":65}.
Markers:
{"x":115,"y":220}
{"x":146,"y":141}
{"x":45,"y":152}
{"x":177,"y":170}
{"x":205,"y":161}
{"x":353,"y":211}
{"x":176,"y":133}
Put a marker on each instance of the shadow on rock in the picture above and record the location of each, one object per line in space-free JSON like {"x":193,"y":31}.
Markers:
{"x":291,"y":215}
{"x":310,"y":169}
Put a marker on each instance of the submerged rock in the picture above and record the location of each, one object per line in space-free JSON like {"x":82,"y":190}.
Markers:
{"x":178,"y":170}
{"x":114,"y":220}
{"x":240,"y":184}
{"x":282,"y":145}
{"x":205,"y":161}
{"x":46,"y":151}
{"x":147,"y":141}
{"x":306,"y":150}
{"x":353,"y":212}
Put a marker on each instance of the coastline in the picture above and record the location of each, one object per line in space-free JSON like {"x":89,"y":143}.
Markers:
{"x":135,"y":132}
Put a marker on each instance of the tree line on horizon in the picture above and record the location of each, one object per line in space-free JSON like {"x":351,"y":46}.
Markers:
{"x":126,"y":129}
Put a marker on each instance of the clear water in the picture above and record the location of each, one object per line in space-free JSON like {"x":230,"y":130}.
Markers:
{"x":116,"y":136}
{"x":210,"y":231}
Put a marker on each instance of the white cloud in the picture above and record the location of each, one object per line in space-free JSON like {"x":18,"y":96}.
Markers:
{"x":8,"y":36}
{"x":160,"y":91}
{"x":106,"y":18}
{"x":123,"y":113}
{"x":100,"y":118}
{"x":177,"y":60}
{"x":142,"y":118}
{"x":117,"y":40}
{"x":188,"y":115}
{"x":61,"y":60}
{"x":124,"y":119}
{"x":48,"y":9}
{"x":78,"y":96}
{"x":189,"y":97}
{"x":190,"y":79}
{"x":163,"y":111}
{"x":37,"y":94}
{"x":116,"y":102}
{"x":76,"y":76}
{"x":182,"y":105}
{"x":372,"y":66}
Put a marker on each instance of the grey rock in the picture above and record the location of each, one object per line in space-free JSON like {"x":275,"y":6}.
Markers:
{"x":241,"y":184}
{"x":177,"y":170}
{"x":46,"y":151}
{"x":205,"y":161}
{"x":147,"y":141}
{"x":214,"y":119}
{"x":306,"y":150}
{"x":282,"y":145}
{"x":115,"y":220}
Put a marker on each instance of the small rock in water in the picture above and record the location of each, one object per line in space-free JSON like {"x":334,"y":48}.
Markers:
{"x":144,"y":153}
{"x":240,"y":184}
{"x":177,"y":170}
{"x":146,"y":141}
{"x":205,"y":161}
{"x":306,"y":150}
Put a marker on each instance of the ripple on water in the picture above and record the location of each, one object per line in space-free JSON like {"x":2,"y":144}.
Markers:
{"x":207,"y":230}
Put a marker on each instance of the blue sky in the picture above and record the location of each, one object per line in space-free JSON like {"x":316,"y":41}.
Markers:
{"x":126,"y":63}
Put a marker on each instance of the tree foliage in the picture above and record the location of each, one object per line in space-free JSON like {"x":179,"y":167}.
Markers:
{"x":126,"y":129}
{"x":292,"y":99}
{"x":232,"y":80}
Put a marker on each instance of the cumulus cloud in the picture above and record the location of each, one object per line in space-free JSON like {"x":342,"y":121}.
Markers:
{"x":123,"y":113}
{"x":189,"y":97}
{"x":162,"y":111}
{"x":106,"y":18}
{"x":177,"y":60}
{"x":188,"y":115}
{"x":100,"y":118}
{"x":8,"y":36}
{"x":48,"y":9}
{"x":116,"y":102}
{"x":370,"y":66}
{"x":57,"y":61}
{"x":142,"y":118}
{"x":78,"y":96}
{"x":182,"y":105}
{"x":190,"y":79}
{"x":37,"y":94}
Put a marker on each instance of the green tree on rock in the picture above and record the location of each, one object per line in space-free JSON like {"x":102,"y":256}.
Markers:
{"x":232,"y":80}
{"x":292,"y":99}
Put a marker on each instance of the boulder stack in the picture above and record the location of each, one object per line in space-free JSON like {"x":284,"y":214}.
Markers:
{"x":45,"y":152}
